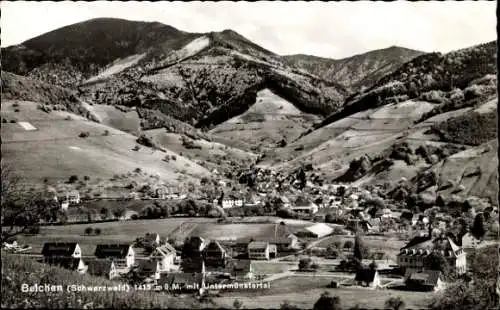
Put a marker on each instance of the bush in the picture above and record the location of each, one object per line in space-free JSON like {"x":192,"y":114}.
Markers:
{"x":13,"y":121}
{"x":106,"y":133}
{"x":97,"y":231}
{"x":136,"y":148}
{"x":84,"y":134}
{"x":4,"y":120}
{"x":17,"y":110}
{"x":73,"y":179}
{"x":89,"y":230}
{"x":68,"y":118}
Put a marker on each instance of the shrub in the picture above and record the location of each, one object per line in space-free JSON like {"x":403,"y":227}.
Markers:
{"x":89,"y":230}
{"x":13,"y":121}
{"x":73,"y":179}
{"x":68,"y":118}
{"x":84,"y":134}
{"x":136,"y":148}
{"x":106,"y":133}
{"x":4,"y":120}
{"x":17,"y":110}
{"x":97,"y":231}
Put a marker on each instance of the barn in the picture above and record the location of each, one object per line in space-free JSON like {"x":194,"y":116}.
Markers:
{"x":318,"y":230}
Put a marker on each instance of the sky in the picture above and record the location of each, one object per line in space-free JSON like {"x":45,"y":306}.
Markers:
{"x":328,"y":29}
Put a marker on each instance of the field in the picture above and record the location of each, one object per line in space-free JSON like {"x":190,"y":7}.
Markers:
{"x":55,"y":150}
{"x":212,"y":155}
{"x":304,"y":291}
{"x":116,"y":67}
{"x":112,"y":117}
{"x":388,"y":245}
{"x":128,"y":231}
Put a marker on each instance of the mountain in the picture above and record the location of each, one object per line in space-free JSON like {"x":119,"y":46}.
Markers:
{"x":202,"y":79}
{"x":358,"y":71}
{"x":435,"y":113}
{"x":84,"y":48}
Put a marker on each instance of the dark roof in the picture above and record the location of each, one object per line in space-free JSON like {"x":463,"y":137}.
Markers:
{"x":242,"y":266}
{"x":366,"y":275}
{"x":192,"y":265}
{"x":99,"y":267}
{"x":423,"y":277}
{"x":65,"y":262}
{"x":112,"y":250}
{"x":195,"y":241}
{"x":148,"y":266}
{"x":215,"y":246}
{"x":180,"y":278}
{"x":59,"y":248}
{"x":416,"y":240}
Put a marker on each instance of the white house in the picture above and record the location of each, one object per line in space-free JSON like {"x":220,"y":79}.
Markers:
{"x":73,"y":197}
{"x":165,"y":255}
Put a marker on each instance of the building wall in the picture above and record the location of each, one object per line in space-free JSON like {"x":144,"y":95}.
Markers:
{"x":259,"y":254}
{"x":78,"y":252}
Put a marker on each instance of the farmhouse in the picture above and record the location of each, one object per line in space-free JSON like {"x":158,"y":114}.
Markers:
{"x":123,"y":255}
{"x":193,"y":247}
{"x":148,"y":269}
{"x":469,"y":242}
{"x":261,"y":250}
{"x":102,"y":268}
{"x":215,"y":254}
{"x":416,"y":252}
{"x":70,"y":263}
{"x":60,"y":249}
{"x":165,"y":255}
{"x":303,"y":206}
{"x":368,"y":277}
{"x":73,"y":197}
{"x":318,"y":230}
{"x":423,"y":280}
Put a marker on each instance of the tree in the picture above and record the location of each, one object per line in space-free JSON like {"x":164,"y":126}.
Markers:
{"x":97,"y":231}
{"x":478,"y":230}
{"x":119,"y":212}
{"x":287,"y":306}
{"x":21,"y":209}
{"x":305,"y":263}
{"x":73,"y":179}
{"x":327,"y":302}
{"x":436,"y":261}
{"x":395,"y":303}
{"x":359,"y":248}
{"x":237,"y":304}
{"x":89,"y":230}
{"x":348,"y":244}
{"x":104,"y":212}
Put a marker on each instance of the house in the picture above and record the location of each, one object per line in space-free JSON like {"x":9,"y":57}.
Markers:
{"x":261,"y":250}
{"x":123,"y":255}
{"x":318,"y":230}
{"x":423,"y":280}
{"x":64,"y":205}
{"x":148,"y":269}
{"x":242,"y":269}
{"x":368,"y":277}
{"x":193,"y":247}
{"x":305,"y":207}
{"x":61,"y":249}
{"x":469,"y":242}
{"x":73,"y":197}
{"x":165,"y":255}
{"x":70,"y":263}
{"x":102,"y":268}
{"x":231,"y":202}
{"x":415,"y":253}
{"x":161,"y":193}
{"x":214,"y":254}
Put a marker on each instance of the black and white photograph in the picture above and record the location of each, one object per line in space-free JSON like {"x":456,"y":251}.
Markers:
{"x":249,"y":155}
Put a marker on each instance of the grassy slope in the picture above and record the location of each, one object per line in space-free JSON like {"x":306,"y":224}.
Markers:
{"x":56,"y":151}
{"x":17,"y":271}
{"x":211,"y":155}
{"x":266,"y":122}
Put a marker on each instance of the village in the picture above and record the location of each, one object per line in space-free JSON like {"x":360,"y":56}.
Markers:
{"x":338,"y":233}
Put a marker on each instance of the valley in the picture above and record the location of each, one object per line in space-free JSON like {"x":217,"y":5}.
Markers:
{"x":204,"y":151}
